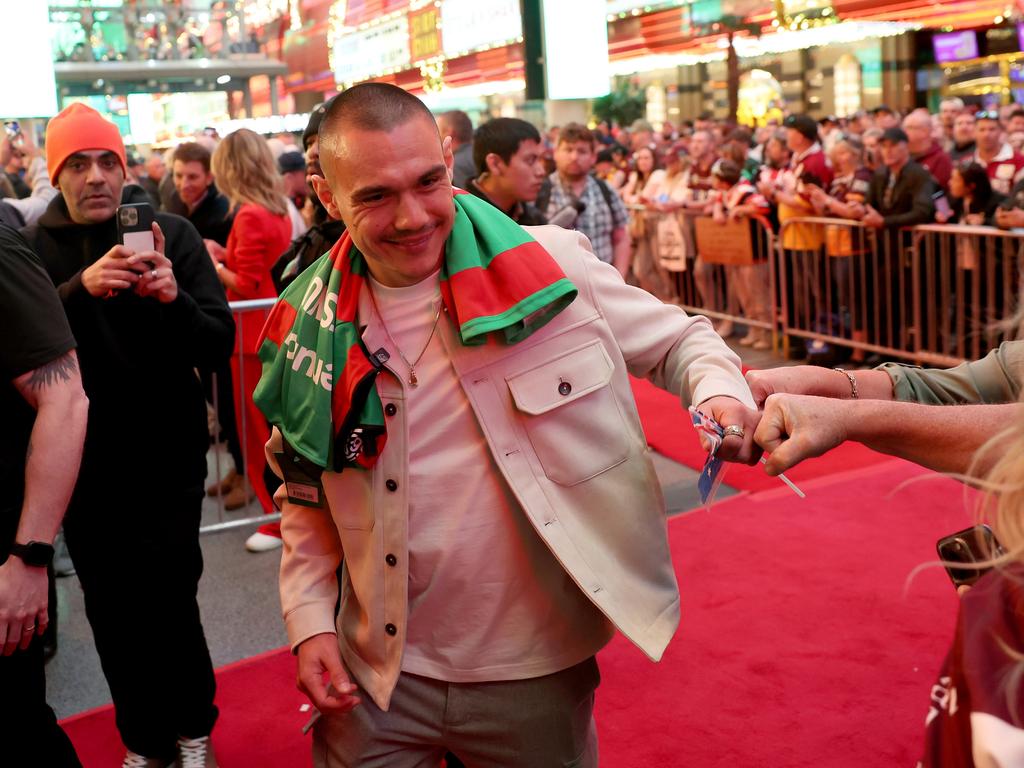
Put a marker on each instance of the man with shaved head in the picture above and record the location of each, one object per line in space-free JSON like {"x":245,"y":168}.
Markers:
{"x":925,"y":150}
{"x":456,"y":432}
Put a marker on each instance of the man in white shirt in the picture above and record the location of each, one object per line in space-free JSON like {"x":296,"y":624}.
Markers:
{"x":512,"y":521}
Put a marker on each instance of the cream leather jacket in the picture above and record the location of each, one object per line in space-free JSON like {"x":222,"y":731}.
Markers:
{"x":575,"y":457}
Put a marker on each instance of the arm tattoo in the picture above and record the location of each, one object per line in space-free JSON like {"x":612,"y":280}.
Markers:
{"x":61,"y":369}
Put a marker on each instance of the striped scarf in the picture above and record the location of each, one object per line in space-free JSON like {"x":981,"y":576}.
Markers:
{"x":318,"y":377}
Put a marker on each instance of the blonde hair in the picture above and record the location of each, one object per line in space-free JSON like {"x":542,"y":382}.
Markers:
{"x":245,"y":171}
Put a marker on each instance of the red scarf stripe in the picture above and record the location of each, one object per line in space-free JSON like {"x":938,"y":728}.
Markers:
{"x":350,"y":372}
{"x":279,"y":323}
{"x":512,"y":276}
{"x":340,"y":248}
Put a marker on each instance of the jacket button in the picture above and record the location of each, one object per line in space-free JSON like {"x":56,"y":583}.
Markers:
{"x":390,"y":409}
{"x":391,"y":629}
{"x":391,"y":485}
{"x":391,"y":560}
{"x":564,"y":388}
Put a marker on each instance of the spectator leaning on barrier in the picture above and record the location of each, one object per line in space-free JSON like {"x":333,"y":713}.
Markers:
{"x":1005,"y":167}
{"x":900,"y":194}
{"x":457,"y":126}
{"x":603,"y":218}
{"x":510,"y":171}
{"x":972,"y":199}
{"x":143,"y":322}
{"x":924,"y":149}
{"x":45,"y":413}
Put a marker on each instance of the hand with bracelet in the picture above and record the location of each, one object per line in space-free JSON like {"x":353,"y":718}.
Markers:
{"x":820,"y":382}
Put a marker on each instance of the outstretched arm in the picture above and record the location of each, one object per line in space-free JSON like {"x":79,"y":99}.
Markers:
{"x":946,"y":439}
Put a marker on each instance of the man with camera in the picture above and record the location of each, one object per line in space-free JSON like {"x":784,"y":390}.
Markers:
{"x":144,"y":320}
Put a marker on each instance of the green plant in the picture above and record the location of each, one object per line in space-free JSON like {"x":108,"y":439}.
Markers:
{"x":623,"y":105}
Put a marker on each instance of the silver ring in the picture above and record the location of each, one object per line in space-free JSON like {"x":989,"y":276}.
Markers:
{"x":734,"y":431}
{"x":153,"y":274}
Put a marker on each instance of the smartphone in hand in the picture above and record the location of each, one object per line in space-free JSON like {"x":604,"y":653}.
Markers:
{"x":969,"y":546}
{"x":135,"y":226}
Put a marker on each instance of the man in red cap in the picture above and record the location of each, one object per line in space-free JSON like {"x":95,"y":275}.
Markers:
{"x":144,"y":322}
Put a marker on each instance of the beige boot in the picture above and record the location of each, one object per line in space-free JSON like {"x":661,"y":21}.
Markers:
{"x":223,"y":485}
{"x":239,"y":494}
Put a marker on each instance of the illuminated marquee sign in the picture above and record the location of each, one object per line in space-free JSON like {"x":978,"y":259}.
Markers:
{"x":364,"y":53}
{"x":470,"y":25}
{"x":424,"y":33}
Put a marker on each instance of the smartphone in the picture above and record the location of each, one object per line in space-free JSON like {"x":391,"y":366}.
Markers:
{"x":942,"y":205}
{"x":971,"y":545}
{"x":135,"y":226}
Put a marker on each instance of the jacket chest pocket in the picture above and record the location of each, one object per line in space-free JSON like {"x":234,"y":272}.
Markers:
{"x":571,"y":415}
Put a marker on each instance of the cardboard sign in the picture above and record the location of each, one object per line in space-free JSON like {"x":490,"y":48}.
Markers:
{"x":728,"y":243}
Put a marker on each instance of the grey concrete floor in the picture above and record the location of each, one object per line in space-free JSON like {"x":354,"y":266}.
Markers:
{"x":238,"y":592}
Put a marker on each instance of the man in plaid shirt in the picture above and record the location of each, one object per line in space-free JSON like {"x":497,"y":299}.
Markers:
{"x":603,"y":218}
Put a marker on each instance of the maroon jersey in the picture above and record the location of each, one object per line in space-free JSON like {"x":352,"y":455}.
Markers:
{"x":976,"y":706}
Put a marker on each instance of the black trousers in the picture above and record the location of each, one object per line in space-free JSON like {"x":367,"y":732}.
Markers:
{"x":138,"y":558}
{"x":28,"y":728}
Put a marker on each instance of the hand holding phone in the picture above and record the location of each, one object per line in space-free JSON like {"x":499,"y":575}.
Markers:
{"x":968,"y":547}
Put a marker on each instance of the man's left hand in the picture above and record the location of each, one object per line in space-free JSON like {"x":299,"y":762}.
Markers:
{"x":730,"y":412}
{"x":156,"y":272}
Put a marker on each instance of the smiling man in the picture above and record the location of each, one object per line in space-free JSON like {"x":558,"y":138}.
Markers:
{"x":456,"y":431}
{"x":144,"y":321}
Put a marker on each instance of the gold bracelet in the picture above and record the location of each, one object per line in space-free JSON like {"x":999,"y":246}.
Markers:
{"x":853,"y":382}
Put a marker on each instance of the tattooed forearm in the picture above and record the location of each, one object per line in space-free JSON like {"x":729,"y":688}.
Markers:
{"x":61,"y":369}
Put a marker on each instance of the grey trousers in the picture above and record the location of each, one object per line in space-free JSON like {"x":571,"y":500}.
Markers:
{"x":541,"y":722}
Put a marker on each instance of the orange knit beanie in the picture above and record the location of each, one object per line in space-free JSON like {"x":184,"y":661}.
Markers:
{"x":80,"y":128}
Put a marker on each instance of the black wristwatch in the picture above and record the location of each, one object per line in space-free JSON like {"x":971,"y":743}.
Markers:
{"x":36,"y":553}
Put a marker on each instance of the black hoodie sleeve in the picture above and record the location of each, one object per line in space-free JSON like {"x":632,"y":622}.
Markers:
{"x":200,"y":313}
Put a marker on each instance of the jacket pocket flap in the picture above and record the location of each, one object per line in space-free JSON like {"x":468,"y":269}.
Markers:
{"x":562,"y":379}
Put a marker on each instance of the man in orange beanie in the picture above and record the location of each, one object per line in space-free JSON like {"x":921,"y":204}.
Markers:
{"x":144,"y":321}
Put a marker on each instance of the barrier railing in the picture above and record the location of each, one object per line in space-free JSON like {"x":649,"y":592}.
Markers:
{"x":724,"y":270}
{"x":932,"y":293}
{"x":234,"y":424}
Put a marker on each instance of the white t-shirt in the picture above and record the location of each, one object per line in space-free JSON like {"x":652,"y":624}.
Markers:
{"x":487,"y":599}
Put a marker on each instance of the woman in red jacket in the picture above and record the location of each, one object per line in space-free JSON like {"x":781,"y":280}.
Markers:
{"x":245,"y":171}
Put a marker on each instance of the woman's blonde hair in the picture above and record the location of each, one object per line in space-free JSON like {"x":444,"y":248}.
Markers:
{"x":244,"y":169}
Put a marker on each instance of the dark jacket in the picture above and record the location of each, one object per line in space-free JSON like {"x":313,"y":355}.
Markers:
{"x":147,"y":428}
{"x":987,"y":208}
{"x":962,"y":151}
{"x":523,"y":214}
{"x":212,"y":217}
{"x":911,"y":200}
{"x":317,"y":241}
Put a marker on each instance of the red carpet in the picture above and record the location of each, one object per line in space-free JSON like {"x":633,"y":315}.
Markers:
{"x":669,"y":431}
{"x":801,"y":644}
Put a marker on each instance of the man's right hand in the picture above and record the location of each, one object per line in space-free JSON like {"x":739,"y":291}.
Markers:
{"x":111,"y":272}
{"x":23,"y":604}
{"x":320,"y":656}
{"x":797,"y":380}
{"x":1009,"y":218}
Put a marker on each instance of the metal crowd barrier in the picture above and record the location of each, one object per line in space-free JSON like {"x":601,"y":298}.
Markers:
{"x":933,"y":294}
{"x":240,"y":384}
{"x":725,"y":271}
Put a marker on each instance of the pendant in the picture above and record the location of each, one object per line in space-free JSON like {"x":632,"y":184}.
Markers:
{"x":413,"y":381}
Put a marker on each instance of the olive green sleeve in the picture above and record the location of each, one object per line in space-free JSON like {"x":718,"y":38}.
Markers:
{"x":996,"y":378}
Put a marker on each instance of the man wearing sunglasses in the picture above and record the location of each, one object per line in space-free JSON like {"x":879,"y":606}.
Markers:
{"x":1004,"y":165}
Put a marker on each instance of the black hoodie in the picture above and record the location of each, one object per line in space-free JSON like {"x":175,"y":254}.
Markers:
{"x":147,"y":414}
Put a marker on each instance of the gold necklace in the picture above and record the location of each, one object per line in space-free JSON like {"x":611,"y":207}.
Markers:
{"x":413,"y":380}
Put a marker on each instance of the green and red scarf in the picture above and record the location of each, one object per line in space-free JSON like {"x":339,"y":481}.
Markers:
{"x":318,"y":377}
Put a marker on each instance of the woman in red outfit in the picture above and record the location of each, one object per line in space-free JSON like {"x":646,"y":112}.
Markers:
{"x":245,"y":171}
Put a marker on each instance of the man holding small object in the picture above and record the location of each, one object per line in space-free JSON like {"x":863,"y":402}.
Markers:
{"x":144,"y":321}
{"x":475,"y":464}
